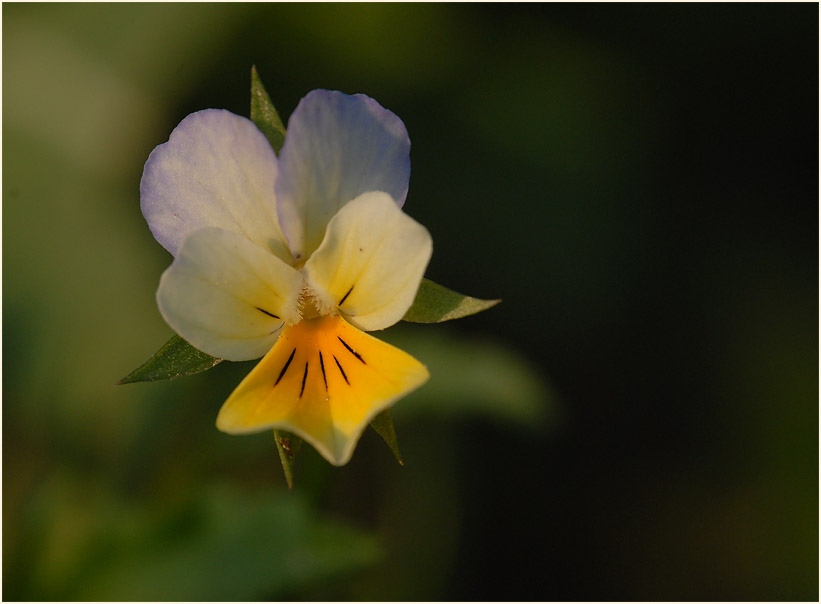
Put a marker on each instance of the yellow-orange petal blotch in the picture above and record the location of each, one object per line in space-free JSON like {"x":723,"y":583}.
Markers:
{"x":324,"y":380}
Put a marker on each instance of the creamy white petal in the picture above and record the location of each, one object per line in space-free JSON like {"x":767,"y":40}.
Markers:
{"x":337,"y":147}
{"x":216,"y":170}
{"x":228,"y":297}
{"x":370,"y":263}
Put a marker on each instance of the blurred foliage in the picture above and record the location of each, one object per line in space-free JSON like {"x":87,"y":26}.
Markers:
{"x":472,"y":377}
{"x":218,"y":543}
{"x":639,"y":184}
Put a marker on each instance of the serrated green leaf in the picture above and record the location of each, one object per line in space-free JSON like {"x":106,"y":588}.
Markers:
{"x":435,"y":304}
{"x":288,"y":446}
{"x":176,"y":358}
{"x":383,"y":424}
{"x":263,"y":113}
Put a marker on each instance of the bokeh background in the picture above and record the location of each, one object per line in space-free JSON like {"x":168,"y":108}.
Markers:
{"x":637,"y":420}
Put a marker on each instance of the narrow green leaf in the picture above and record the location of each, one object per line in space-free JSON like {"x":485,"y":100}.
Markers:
{"x":435,"y":304}
{"x":288,"y":446}
{"x":263,"y":113}
{"x":175,"y":359}
{"x":383,"y":424}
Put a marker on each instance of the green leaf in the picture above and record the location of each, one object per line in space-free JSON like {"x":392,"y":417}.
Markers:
{"x":263,"y":113}
{"x":383,"y":424}
{"x":175,"y":359}
{"x":288,"y":446}
{"x":435,"y":304}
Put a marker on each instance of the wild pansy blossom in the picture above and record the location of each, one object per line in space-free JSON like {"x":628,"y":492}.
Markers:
{"x":292,"y":259}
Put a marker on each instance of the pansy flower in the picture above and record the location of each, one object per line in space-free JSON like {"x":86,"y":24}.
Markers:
{"x":292,"y":259}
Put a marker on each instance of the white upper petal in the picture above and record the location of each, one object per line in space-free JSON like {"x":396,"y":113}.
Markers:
{"x":337,"y":147}
{"x":228,"y":297}
{"x":370,"y":263}
{"x":216,"y":170}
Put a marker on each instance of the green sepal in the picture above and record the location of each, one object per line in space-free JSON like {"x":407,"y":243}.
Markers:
{"x":263,"y":113}
{"x":383,"y":424}
{"x":435,"y":304}
{"x":288,"y":446}
{"x":176,"y":358}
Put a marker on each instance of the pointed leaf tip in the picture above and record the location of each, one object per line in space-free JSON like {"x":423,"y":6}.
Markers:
{"x":288,"y":446}
{"x":383,"y":425}
{"x":176,"y":358}
{"x":435,"y":304}
{"x":264,"y":114}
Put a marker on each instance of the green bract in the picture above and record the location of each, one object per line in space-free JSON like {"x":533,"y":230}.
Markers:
{"x":436,"y":304}
{"x":264,"y":115}
{"x":383,"y":424}
{"x":175,"y":359}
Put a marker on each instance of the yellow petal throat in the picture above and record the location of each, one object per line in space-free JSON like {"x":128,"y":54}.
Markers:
{"x":323,"y":380}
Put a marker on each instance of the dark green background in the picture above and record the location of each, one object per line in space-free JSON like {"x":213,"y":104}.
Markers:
{"x":637,"y":420}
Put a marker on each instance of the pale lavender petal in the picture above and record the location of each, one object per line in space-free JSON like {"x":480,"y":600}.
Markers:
{"x":337,"y":147}
{"x":216,"y":170}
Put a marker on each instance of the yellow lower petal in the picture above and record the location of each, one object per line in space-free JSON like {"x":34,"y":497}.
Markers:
{"x":323,"y":380}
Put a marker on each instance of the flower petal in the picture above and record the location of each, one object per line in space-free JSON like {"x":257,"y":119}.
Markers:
{"x":370,"y":263}
{"x":228,"y":297}
{"x":323,"y":380}
{"x":216,"y":170}
{"x":337,"y":147}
